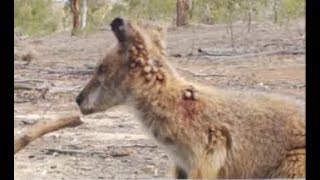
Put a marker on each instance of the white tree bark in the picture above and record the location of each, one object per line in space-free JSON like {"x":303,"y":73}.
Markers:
{"x":84,"y":9}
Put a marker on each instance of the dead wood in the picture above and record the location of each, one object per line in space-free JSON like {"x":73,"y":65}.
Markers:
{"x":23,"y":86}
{"x":230,"y":55}
{"x":21,"y":101}
{"x":113,"y":153}
{"x":200,"y":75}
{"x":69,"y":151}
{"x":268,"y":53}
{"x":275,"y":52}
{"x":29,"y":81}
{"x":119,"y":154}
{"x":73,"y":72}
{"x":27,"y":85}
{"x":140,"y":146}
{"x":41,"y":128}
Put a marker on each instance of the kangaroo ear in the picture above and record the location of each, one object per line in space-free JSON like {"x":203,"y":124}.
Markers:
{"x":118,"y":26}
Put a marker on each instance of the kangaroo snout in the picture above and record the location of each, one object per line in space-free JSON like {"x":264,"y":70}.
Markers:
{"x":79,"y":99}
{"x":118,"y":27}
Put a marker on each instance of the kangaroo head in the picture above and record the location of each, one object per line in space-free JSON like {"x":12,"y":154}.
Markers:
{"x":135,"y":58}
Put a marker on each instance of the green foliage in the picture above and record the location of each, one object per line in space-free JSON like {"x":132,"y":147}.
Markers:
{"x":96,"y":15}
{"x":35,"y":17}
{"x":163,"y":10}
{"x":39,"y":16}
{"x":291,"y":9}
{"x":218,"y":11}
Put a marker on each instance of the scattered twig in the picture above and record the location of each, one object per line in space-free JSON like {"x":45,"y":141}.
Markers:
{"x":201,"y":75}
{"x":104,"y":29}
{"x":269,"y":44}
{"x":69,"y":151}
{"x":140,"y":146}
{"x":114,"y":153}
{"x":204,"y":52}
{"x":176,"y":55}
{"x":119,"y":153}
{"x":287,"y":85}
{"x":41,"y":128}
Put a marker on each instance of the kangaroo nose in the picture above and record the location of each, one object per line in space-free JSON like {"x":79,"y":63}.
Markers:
{"x":118,"y":27}
{"x":116,"y":23}
{"x":79,"y":99}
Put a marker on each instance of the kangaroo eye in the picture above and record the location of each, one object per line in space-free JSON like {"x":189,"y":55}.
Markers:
{"x":101,"y":69}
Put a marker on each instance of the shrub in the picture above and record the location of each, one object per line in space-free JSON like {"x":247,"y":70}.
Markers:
{"x":35,"y":17}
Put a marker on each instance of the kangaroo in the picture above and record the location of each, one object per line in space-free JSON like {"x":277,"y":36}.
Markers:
{"x":210,"y":132}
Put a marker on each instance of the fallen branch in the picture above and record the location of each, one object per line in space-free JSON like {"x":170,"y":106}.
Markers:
{"x":69,"y":151}
{"x":204,"y":52}
{"x":113,"y":153}
{"x":119,"y":154}
{"x":267,"y":53}
{"x":21,"y":101}
{"x":235,"y":56}
{"x":29,"y":81}
{"x":23,"y":86}
{"x":200,"y":75}
{"x":138,"y":145}
{"x":27,"y":85}
{"x":41,"y":128}
{"x":73,"y":72}
{"x":66,"y":71}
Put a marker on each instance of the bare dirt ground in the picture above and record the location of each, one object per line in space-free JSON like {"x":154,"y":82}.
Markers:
{"x":112,"y":144}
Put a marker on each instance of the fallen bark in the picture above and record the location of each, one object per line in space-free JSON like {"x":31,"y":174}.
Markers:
{"x":41,"y":128}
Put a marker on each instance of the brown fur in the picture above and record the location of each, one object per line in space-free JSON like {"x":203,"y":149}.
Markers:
{"x":211,"y":133}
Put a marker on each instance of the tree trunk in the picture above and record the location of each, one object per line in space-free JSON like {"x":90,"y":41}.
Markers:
{"x":250,"y":8}
{"x":183,"y":12}
{"x":230,"y":6}
{"x":76,"y":18}
{"x":84,"y":10}
{"x":275,"y":10}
